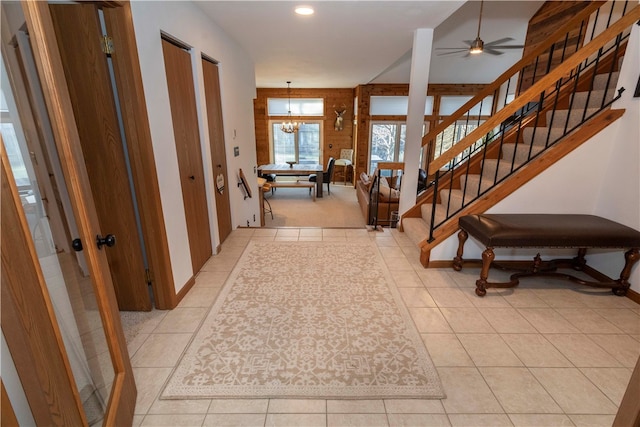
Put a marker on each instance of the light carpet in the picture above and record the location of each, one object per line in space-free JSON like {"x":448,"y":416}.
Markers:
{"x":294,"y":207}
{"x":307,"y":320}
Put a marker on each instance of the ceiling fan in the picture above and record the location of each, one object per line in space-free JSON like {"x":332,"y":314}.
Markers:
{"x":478,"y":45}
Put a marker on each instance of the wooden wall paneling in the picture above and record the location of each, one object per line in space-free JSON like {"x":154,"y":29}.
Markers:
{"x":332,"y":97}
{"x":336,"y":140}
{"x":363,"y":93}
{"x":545,"y":22}
{"x":356,"y":137}
{"x":261,"y":120}
{"x":128,"y":77}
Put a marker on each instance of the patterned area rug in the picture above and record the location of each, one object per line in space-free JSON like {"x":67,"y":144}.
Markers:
{"x":314,"y":320}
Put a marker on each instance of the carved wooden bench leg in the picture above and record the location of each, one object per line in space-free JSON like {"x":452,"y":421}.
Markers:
{"x":481,"y":284}
{"x":630,"y":258}
{"x":579,"y":262}
{"x":457,"y":261}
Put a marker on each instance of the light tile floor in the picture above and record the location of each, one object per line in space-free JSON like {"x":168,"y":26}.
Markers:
{"x":547,"y":353}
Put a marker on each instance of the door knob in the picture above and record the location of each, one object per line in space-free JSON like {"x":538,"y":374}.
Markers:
{"x":108,"y":240}
{"x":76,"y":244}
{"x":192,"y":178}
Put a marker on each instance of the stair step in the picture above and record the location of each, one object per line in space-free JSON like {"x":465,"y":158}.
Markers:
{"x":416,"y":229}
{"x":522,"y":154}
{"x":453,"y":198}
{"x":593,"y":99}
{"x":569,"y":119}
{"x":490,"y":166}
{"x":425,"y":211}
{"x":473,"y":184}
{"x":540,"y":134}
{"x":600,"y":81}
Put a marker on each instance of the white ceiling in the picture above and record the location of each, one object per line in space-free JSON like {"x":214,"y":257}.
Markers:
{"x":347,"y":43}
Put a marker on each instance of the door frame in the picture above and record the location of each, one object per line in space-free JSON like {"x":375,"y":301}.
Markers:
{"x":39,"y":356}
{"x":128,"y":78}
{"x":122,"y":400}
{"x":213,"y":102}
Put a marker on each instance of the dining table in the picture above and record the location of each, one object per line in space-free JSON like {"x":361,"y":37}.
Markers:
{"x":294,"y":169}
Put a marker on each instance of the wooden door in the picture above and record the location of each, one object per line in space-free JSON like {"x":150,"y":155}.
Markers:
{"x":218,"y":154}
{"x":78,"y":33}
{"x":23,"y":288}
{"x":184,"y":116}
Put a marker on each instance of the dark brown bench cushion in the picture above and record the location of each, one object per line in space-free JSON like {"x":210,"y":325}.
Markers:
{"x":549,"y":230}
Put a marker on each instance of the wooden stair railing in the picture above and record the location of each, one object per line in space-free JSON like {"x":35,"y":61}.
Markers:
{"x":531,"y":94}
{"x":535,"y":93}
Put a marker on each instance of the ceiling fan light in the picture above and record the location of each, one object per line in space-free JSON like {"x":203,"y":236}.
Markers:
{"x":304,"y":10}
{"x":477,"y":46}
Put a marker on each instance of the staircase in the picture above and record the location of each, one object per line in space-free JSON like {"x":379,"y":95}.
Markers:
{"x":565,"y":106}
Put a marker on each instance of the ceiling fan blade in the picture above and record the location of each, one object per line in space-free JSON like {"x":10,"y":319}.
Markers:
{"x":507,"y":47}
{"x":491,"y":51}
{"x":499,"y":41}
{"x":453,"y":52}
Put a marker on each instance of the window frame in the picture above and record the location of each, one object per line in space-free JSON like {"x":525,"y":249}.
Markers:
{"x":278,"y":122}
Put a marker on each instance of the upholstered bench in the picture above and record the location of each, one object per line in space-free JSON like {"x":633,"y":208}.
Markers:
{"x":548,"y":231}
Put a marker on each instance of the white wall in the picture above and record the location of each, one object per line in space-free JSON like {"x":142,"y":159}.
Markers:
{"x":601,"y":177}
{"x":187,"y":23}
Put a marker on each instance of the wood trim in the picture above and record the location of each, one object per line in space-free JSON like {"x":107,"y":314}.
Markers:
{"x":56,"y":93}
{"x":186,"y":288}
{"x":633,"y":296}
{"x":629,"y":409}
{"x":542,"y":84}
{"x":34,"y":339}
{"x":7,"y":416}
{"x":139,"y":144}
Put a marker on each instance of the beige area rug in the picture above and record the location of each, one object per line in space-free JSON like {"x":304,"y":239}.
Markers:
{"x":307,"y":320}
{"x":294,"y":207}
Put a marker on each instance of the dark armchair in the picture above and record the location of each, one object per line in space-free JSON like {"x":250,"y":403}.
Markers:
{"x":422,"y":180}
{"x":327,"y":175}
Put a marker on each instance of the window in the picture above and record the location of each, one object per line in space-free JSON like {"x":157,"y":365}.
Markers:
{"x":12,"y":145}
{"x":299,"y":106}
{"x":387,"y":143}
{"x":454,"y":133}
{"x":302,"y":146}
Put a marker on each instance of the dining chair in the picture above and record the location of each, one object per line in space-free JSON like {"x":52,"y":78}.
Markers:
{"x":326,"y":175}
{"x":345,"y":160}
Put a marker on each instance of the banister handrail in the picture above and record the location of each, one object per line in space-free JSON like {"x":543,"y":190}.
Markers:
{"x":534,"y":91}
{"x":517,"y":67}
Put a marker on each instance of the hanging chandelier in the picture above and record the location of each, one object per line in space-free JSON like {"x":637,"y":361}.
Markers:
{"x":289,"y":126}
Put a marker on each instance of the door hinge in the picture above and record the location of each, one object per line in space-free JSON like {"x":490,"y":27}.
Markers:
{"x":147,"y":275}
{"x":107,"y":44}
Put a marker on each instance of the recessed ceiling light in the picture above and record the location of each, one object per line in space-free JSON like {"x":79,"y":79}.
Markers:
{"x":304,"y":10}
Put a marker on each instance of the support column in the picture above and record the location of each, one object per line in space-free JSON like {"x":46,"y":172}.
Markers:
{"x":420,"y":63}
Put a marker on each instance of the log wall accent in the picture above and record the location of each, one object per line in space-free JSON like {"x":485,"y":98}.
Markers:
{"x":332,"y":140}
{"x":545,"y":22}
{"x":355,"y":137}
